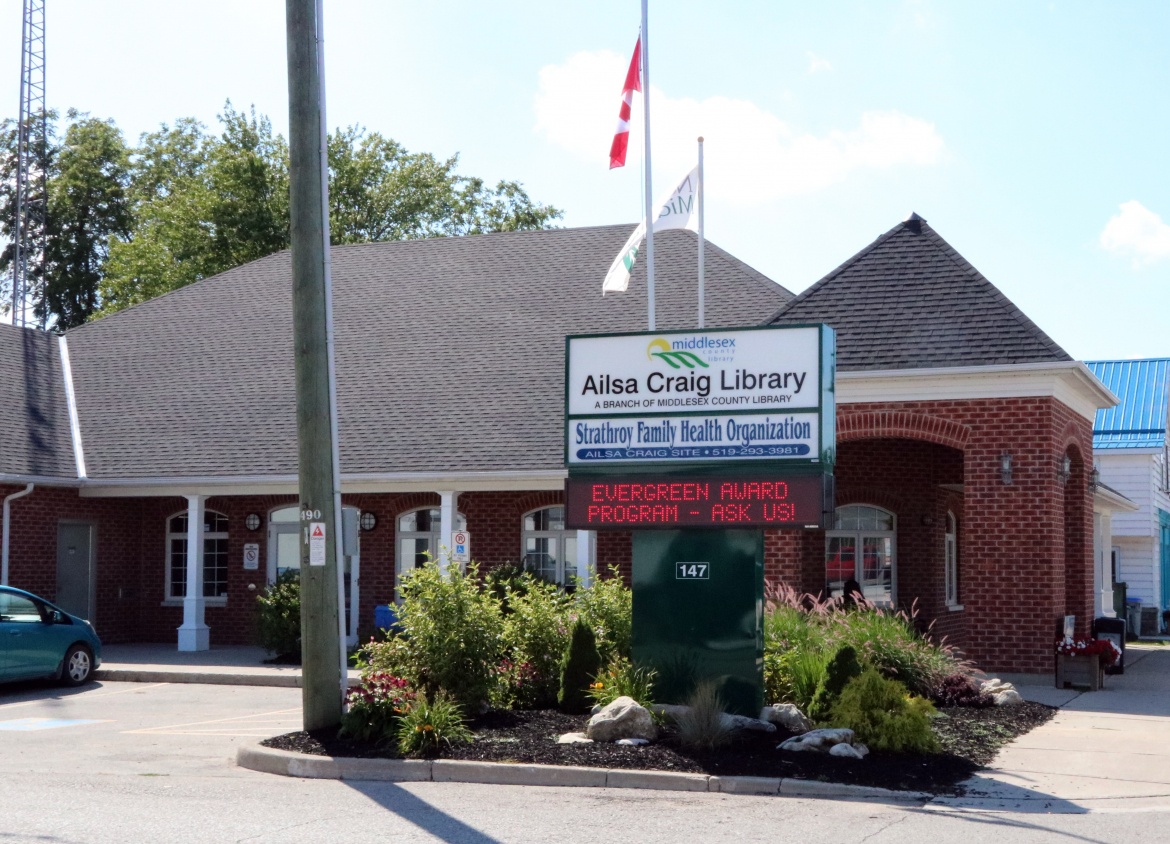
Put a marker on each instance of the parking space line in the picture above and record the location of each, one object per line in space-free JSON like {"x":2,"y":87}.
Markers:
{"x":175,"y":729}
{"x":81,"y":696}
{"x":24,"y":725}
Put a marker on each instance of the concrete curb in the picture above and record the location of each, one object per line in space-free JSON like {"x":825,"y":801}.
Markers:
{"x":210,"y":678}
{"x":289,"y":764}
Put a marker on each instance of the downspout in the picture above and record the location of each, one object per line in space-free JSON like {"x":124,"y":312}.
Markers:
{"x":7,"y":531}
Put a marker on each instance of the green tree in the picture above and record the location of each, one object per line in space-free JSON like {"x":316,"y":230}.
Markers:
{"x":43,"y":136}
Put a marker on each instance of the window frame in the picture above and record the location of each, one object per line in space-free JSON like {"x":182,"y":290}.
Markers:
{"x":561,"y":535}
{"x":434,"y":535}
{"x":951,"y":579}
{"x":211,"y":601}
{"x":858,"y":535}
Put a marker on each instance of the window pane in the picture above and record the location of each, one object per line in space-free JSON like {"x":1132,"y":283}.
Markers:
{"x":840,"y":563}
{"x":877,"y":580}
{"x":179,"y":524}
{"x":408,"y":521}
{"x":286,"y":515}
{"x":18,"y":609}
{"x":288,"y":551}
{"x":214,"y":522}
{"x":540,"y":557}
{"x":178,"y":568}
{"x":215,"y":565}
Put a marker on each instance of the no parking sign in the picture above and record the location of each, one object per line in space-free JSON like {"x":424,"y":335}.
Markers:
{"x":460,"y":547}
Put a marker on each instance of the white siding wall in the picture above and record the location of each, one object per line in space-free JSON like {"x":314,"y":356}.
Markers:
{"x":1139,"y":567}
{"x":1136,"y":477}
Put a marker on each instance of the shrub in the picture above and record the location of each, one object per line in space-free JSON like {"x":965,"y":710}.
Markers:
{"x":581,"y":665}
{"x":279,"y":615}
{"x":451,"y":636}
{"x":429,"y":722}
{"x":375,"y":708}
{"x":607,"y":607}
{"x":516,"y":686}
{"x":793,"y":676}
{"x":621,"y":678}
{"x":961,"y":690}
{"x":889,"y":642}
{"x":884,"y":716}
{"x":509,"y":576}
{"x":842,"y":668}
{"x":537,"y":632}
{"x":701,"y":725}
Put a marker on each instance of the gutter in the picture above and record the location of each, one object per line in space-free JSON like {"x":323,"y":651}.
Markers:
{"x":7,"y":531}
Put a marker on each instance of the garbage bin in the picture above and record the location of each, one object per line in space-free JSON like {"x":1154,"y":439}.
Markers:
{"x":385,"y":617}
{"x":1133,"y":614}
{"x":1119,"y":596}
{"x":1112,"y":629}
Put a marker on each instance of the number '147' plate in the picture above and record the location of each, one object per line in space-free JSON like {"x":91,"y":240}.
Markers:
{"x":692,"y":571}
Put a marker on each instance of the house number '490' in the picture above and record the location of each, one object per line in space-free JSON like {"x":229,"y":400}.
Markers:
{"x":692,"y":571}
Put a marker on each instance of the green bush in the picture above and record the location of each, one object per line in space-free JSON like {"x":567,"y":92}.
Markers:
{"x":889,"y":642}
{"x":581,"y":666}
{"x":279,"y":615}
{"x":793,"y":676}
{"x":884,"y":716}
{"x":621,"y":678}
{"x":607,"y":607}
{"x":842,"y":668}
{"x":501,"y":579}
{"x":375,"y":708}
{"x":536,"y":633}
{"x":451,"y":636}
{"x":430,"y":722}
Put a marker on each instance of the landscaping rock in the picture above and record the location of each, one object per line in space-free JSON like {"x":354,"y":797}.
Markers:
{"x":820,"y":740}
{"x":1003,"y":693}
{"x":624,"y":718}
{"x":632,"y":742}
{"x":731,"y":722}
{"x":1007,"y":698}
{"x":846,"y":750}
{"x":574,"y":738}
{"x":862,"y":749}
{"x":786,"y":715}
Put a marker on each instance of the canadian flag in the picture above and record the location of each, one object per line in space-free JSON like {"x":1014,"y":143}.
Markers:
{"x":621,"y":138}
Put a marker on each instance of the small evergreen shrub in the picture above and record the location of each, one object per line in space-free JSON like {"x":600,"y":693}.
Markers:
{"x":581,"y":665}
{"x":701,"y":725}
{"x":375,"y":708}
{"x":621,"y":678}
{"x":842,"y":668}
{"x":430,"y":722}
{"x":278,"y":622}
{"x":961,"y":690}
{"x":884,"y":716}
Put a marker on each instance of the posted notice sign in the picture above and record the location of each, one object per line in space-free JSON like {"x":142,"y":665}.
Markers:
{"x":673,"y":397}
{"x":461,"y":547}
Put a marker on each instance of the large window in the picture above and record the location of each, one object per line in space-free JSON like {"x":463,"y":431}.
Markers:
{"x":418,"y":537}
{"x":951,"y":552}
{"x":859,"y":554}
{"x":215,"y":555}
{"x":550,"y":551}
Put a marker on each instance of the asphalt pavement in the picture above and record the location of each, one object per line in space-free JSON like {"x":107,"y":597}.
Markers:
{"x":132,"y":762}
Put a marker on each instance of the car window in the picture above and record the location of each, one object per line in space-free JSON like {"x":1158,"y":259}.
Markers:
{"x":18,"y":609}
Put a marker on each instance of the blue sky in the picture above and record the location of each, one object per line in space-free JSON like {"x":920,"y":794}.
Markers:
{"x":1030,"y":134}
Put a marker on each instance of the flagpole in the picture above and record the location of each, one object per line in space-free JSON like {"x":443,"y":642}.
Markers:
{"x":649,"y":193}
{"x":701,"y":236}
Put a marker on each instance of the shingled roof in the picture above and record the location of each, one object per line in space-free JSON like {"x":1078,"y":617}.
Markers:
{"x":34,"y":416}
{"x":910,"y":301}
{"x":450,"y":354}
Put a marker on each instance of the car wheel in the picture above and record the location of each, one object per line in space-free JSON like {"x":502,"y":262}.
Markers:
{"x":78,"y":665}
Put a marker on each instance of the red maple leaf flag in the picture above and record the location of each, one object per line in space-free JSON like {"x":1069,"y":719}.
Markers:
{"x":621,"y":138}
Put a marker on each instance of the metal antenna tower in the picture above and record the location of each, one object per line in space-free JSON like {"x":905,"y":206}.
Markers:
{"x":30,"y":175}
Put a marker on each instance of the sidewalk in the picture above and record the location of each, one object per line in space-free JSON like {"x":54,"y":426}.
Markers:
{"x":227,"y":666}
{"x":1104,"y":750}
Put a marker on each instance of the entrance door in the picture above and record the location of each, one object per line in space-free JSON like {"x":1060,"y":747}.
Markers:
{"x":75,"y":569}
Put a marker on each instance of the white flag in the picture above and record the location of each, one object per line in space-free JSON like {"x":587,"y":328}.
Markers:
{"x":677,"y":210}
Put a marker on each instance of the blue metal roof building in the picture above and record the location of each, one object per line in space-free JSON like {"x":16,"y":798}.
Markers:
{"x":1139,"y":421}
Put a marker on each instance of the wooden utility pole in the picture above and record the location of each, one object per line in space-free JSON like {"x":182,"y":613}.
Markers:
{"x":319,"y":596}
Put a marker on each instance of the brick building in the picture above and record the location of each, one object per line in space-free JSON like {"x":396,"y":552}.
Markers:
{"x":964,"y":434}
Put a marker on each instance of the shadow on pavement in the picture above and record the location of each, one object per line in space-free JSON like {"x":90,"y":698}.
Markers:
{"x":419,"y":812}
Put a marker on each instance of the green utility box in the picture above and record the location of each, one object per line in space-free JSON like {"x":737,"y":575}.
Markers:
{"x":698,"y":613}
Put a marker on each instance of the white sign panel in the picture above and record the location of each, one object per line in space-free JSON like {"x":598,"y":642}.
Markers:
{"x":460,"y":547}
{"x":251,"y":555}
{"x":316,"y":543}
{"x":600,"y":441}
{"x":714,"y":371}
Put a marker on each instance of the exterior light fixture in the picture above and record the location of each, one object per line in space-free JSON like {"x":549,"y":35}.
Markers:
{"x":1065,"y":469}
{"x":252,"y":521}
{"x":368,"y":520}
{"x":1005,"y":467}
{"x":1094,"y":479}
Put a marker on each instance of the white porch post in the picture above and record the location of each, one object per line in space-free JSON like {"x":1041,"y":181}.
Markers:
{"x":447,"y":499}
{"x":586,"y":556}
{"x":1103,"y":542}
{"x":194,"y":634}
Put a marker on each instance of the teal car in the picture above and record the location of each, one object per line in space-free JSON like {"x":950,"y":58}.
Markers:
{"x":38,"y":639}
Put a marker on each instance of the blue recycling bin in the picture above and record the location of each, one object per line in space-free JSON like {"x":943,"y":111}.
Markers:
{"x":386,"y":617}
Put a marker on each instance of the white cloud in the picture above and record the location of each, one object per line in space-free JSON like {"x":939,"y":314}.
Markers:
{"x":752,"y":156}
{"x":1139,"y":232}
{"x":815,"y":63}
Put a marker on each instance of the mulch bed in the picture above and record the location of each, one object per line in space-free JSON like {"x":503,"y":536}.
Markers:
{"x":970,"y":739}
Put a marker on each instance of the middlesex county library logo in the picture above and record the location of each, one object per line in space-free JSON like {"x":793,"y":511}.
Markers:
{"x":681,"y":352}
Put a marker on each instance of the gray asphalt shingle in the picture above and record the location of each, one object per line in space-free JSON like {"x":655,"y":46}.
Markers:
{"x":34,"y":414}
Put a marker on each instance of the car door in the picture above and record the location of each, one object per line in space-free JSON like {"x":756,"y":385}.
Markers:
{"x":22,"y":628}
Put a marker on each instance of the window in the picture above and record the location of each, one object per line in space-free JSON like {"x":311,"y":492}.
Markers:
{"x":418,"y":537}
{"x":550,"y":551}
{"x":951,"y":552}
{"x":17,"y":609}
{"x":215,"y":555}
{"x":860,"y":548}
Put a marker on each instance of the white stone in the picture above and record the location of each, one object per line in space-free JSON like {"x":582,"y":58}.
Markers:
{"x":632,"y":742}
{"x":1007,"y":697}
{"x":818,"y":740}
{"x":623,"y":718}
{"x":995,"y":685}
{"x":846,"y":750}
{"x":574,"y":738}
{"x":742,"y":722}
{"x":786,"y":715}
{"x":862,"y":749}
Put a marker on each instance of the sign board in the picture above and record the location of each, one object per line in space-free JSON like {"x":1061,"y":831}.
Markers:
{"x":678,"y":397}
{"x":251,"y":555}
{"x":778,"y":500}
{"x":316,"y":543}
{"x":460,"y":547}
{"x":692,"y":571}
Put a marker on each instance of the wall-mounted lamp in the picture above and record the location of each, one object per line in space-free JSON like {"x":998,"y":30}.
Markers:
{"x":368,"y":521}
{"x":1005,"y":467}
{"x":252,"y":521}
{"x":1065,"y":469}
{"x":1094,"y":479}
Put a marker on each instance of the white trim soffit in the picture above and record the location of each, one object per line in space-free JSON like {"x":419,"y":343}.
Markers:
{"x":71,"y":400}
{"x":1071,"y":382}
{"x":1108,"y":500}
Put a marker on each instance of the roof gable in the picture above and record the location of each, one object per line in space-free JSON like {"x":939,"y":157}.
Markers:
{"x":1140,"y":420}
{"x":34,"y":415}
{"x":910,"y":301}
